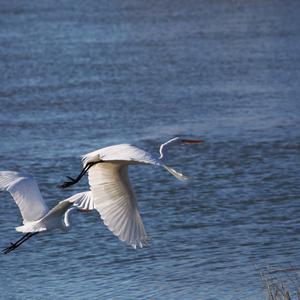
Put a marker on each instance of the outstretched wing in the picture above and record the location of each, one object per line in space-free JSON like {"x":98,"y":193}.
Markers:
{"x":82,"y":201}
{"x":114,"y":199}
{"x":26,"y":194}
{"x":121,"y":153}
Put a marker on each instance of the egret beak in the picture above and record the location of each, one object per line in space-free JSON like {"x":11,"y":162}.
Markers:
{"x":186,"y":141}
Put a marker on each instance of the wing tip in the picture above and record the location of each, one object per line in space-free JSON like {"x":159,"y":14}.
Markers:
{"x":140,"y":244}
{"x":135,"y":244}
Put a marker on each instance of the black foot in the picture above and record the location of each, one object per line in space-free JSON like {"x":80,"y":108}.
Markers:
{"x":9,"y":248}
{"x":19,"y":242}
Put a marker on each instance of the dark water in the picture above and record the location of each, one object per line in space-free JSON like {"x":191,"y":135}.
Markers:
{"x":79,"y":75}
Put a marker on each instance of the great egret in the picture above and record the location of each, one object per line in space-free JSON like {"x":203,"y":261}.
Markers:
{"x":36,"y":215}
{"x":112,"y":193}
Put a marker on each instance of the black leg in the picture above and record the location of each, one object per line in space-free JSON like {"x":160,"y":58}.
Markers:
{"x":77,"y":179}
{"x":19,"y":242}
{"x":21,"y":239}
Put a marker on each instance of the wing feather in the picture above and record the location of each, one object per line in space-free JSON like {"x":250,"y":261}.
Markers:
{"x":122,"y":153}
{"x":116,"y":203}
{"x":82,"y":200}
{"x":26,"y":194}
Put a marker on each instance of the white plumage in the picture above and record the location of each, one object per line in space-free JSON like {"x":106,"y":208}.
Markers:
{"x":26,"y":194}
{"x":115,"y":201}
{"x":35,"y":213}
{"x":112,"y":193}
{"x":122,"y":152}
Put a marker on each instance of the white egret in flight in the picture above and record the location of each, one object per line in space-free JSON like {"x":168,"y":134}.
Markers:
{"x":112,"y":193}
{"x":36,"y":215}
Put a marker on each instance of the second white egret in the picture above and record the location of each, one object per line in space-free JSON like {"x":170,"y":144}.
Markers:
{"x":36,"y":215}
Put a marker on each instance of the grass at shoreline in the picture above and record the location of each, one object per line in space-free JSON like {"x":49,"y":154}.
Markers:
{"x":282,"y":284}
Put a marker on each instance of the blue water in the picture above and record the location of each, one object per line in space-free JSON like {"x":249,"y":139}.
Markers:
{"x":76,"y":76}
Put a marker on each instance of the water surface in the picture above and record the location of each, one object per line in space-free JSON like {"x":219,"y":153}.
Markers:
{"x":76,"y":76}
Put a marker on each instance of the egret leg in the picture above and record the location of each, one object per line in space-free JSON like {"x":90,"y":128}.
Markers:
{"x":77,"y":179}
{"x":19,"y":242}
{"x":21,"y":239}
